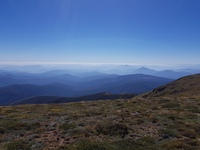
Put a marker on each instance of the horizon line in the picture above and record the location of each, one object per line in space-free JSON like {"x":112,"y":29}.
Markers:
{"x":88,"y":63}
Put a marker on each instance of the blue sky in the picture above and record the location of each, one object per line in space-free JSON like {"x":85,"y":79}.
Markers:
{"x":158,"y":32}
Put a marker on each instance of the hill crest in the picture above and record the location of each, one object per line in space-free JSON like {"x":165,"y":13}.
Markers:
{"x":188,"y":86}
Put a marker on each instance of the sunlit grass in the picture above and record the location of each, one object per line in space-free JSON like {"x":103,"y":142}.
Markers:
{"x":122,"y":124}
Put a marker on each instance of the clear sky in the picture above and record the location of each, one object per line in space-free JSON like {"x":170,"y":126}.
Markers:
{"x":159,"y":32}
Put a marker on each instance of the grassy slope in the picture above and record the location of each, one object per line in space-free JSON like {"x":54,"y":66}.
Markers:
{"x":136,"y":124}
{"x":188,"y":86}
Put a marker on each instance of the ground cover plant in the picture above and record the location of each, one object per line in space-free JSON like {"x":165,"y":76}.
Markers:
{"x":138,"y":123}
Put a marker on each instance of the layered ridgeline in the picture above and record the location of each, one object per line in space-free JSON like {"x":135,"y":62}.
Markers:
{"x":69,"y":86}
{"x":188,"y":86}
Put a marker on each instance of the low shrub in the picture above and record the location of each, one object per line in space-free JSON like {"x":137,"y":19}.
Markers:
{"x":88,"y":145}
{"x":178,"y":144}
{"x":67,"y":126}
{"x":140,"y":144}
{"x":92,"y":145}
{"x":190,"y":134}
{"x":168,"y":132}
{"x":112,"y":129}
{"x":2,"y":130}
{"x":11,"y":125}
{"x":171,"y":105}
{"x":17,"y":145}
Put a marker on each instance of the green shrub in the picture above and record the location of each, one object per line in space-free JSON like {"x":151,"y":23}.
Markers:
{"x":125,"y":144}
{"x":92,"y":145}
{"x":145,"y":143}
{"x":178,"y":145}
{"x":2,"y":130}
{"x":193,"y":142}
{"x":190,"y":134}
{"x":194,"y":109}
{"x":32,"y":126}
{"x":87,"y":145}
{"x":67,"y":126}
{"x":10,"y":125}
{"x":17,"y":145}
{"x":169,"y":132}
{"x":112,"y":129}
{"x":171,"y":105}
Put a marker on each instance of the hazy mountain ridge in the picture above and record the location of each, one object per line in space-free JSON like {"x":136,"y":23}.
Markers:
{"x":16,"y":92}
{"x":166,"y":73}
{"x":82,"y":72}
{"x":18,"y":85}
{"x":132,"y":84}
{"x":56,"y":99}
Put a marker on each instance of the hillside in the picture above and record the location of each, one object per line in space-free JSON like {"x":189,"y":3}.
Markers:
{"x":188,"y":86}
{"x":135,"y":124}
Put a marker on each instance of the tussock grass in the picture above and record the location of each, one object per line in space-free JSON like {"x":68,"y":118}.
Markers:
{"x":139,"y":123}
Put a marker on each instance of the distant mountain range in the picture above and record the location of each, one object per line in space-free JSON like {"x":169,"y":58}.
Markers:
{"x":15,"y":92}
{"x":165,"y":73}
{"x":71,"y":86}
{"x":71,"y":76}
{"x":88,"y":70}
{"x":18,"y":85}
